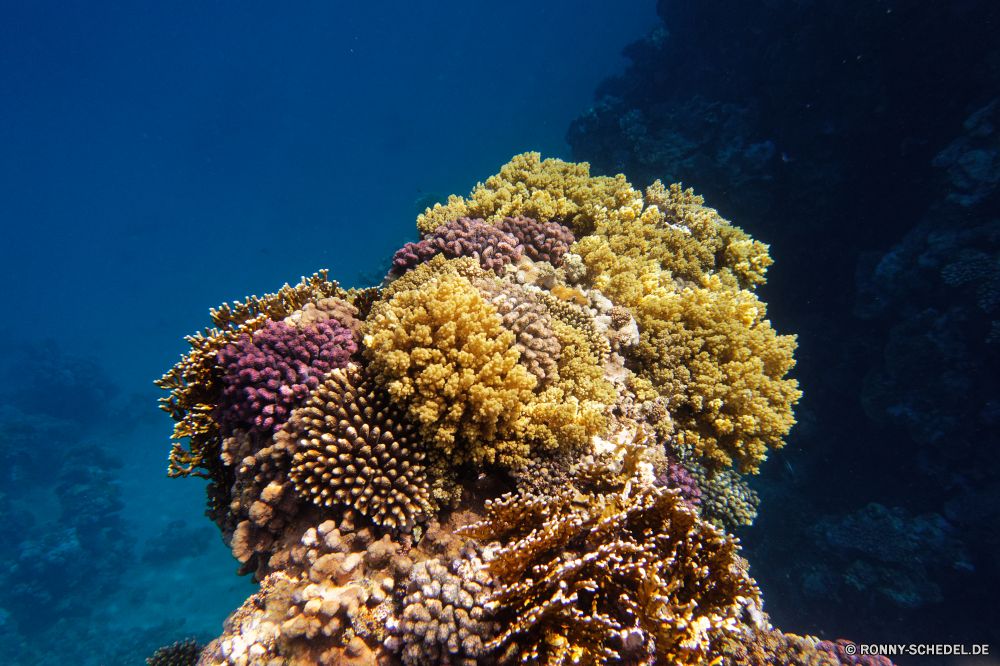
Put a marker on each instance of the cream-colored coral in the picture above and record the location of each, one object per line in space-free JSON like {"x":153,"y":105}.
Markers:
{"x":543,"y":190}
{"x":443,"y":351}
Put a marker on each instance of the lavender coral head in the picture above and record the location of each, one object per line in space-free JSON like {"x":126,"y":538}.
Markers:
{"x":270,"y":374}
{"x":677,"y":476}
{"x":542,"y":241}
{"x":464,"y":237}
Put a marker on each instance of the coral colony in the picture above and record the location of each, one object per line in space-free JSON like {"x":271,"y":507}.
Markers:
{"x":525,"y":447}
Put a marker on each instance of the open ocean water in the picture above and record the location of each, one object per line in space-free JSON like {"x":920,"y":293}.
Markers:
{"x":160,"y":158}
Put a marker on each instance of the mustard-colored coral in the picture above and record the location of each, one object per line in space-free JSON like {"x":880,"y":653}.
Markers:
{"x":543,"y":190}
{"x":442,"y":350}
{"x":722,"y":365}
{"x":566,"y":415}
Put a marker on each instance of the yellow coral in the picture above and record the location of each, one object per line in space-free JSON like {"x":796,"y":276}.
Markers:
{"x":711,"y":350}
{"x":442,"y":350}
{"x":544,"y":190}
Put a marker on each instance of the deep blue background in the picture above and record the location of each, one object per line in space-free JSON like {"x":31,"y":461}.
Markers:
{"x":159,"y":158}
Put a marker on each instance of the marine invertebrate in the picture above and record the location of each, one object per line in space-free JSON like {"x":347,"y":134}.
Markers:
{"x":542,"y":241}
{"x":447,"y":615}
{"x":540,"y":189}
{"x":712,"y":352}
{"x":491,"y":246}
{"x":606,"y":577}
{"x":353,"y":448}
{"x":325,"y":309}
{"x":443,"y":351}
{"x":181,"y":653}
{"x":195,"y":385}
{"x":528,"y":320}
{"x":270,"y":374}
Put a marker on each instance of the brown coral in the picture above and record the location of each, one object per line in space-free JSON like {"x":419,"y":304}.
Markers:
{"x":447,"y":615}
{"x":354,"y":448}
{"x":328,"y":308}
{"x":528,"y":320}
{"x":542,"y":241}
{"x":608,"y":577}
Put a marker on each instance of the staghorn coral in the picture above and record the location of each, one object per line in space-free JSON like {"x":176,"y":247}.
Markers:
{"x":543,"y":190}
{"x":447,"y":615}
{"x":491,"y":246}
{"x":195,"y":385}
{"x":542,"y":241}
{"x":270,"y":374}
{"x":181,"y":653}
{"x":609,"y":577}
{"x":443,"y":351}
{"x":355,"y":449}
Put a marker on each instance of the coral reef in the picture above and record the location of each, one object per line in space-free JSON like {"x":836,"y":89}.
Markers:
{"x":268,"y":375}
{"x":447,"y":615}
{"x":616,"y":386}
{"x":354,"y":448}
{"x":542,"y":241}
{"x":492,"y":246}
{"x":181,"y":653}
{"x":443,"y":351}
{"x":543,"y":190}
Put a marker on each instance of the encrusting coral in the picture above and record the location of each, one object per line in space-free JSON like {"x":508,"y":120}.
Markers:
{"x":600,"y":350}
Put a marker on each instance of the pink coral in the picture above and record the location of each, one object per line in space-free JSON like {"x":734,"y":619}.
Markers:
{"x":268,"y":376}
{"x":463,"y":237}
{"x":677,"y":476}
{"x":542,"y":241}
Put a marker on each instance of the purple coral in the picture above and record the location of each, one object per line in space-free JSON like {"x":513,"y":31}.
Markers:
{"x":677,"y":476}
{"x":464,"y":237}
{"x":542,"y":241}
{"x":271,"y":374}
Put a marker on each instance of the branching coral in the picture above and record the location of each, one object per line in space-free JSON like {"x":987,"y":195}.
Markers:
{"x":722,"y":365}
{"x":491,"y":246}
{"x":542,"y":241}
{"x":270,"y":374}
{"x":195,"y":384}
{"x":443,"y":351}
{"x":543,"y":190}
{"x":600,"y":578}
{"x":353,"y":448}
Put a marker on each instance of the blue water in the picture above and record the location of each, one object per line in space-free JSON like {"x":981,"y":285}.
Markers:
{"x":160,"y":158}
